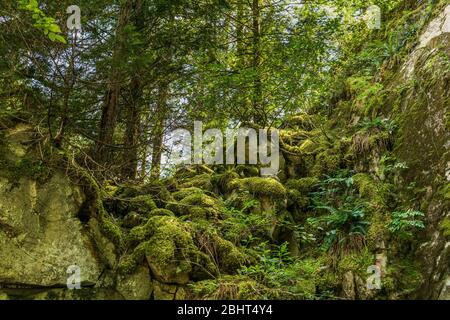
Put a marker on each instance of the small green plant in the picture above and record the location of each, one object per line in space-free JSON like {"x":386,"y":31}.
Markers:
{"x":389,"y":167}
{"x":299,"y":231}
{"x":403,"y":223}
{"x":378,"y":123}
{"x":341,"y":225}
{"x":270,"y":263}
{"x":46,"y":24}
{"x":241,"y":224}
{"x":341,"y":220}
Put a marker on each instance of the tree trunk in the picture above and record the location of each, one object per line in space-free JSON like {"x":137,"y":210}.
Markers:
{"x":110,"y":109}
{"x":131,"y":138}
{"x":158,"y":130}
{"x":258,"y":113}
{"x":133,"y":110}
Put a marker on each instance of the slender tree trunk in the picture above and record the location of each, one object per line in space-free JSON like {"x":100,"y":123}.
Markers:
{"x":110,"y":109}
{"x":133,"y":110}
{"x":158,"y":130}
{"x":131,"y":138}
{"x":256,"y":63}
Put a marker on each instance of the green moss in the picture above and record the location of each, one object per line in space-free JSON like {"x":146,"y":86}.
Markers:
{"x":170,"y":249}
{"x":132,"y":219}
{"x":183,"y":193}
{"x":377,"y":230}
{"x":200,"y":206}
{"x":161,"y":212}
{"x":166,"y":244}
{"x":110,"y":188}
{"x":223,"y":252}
{"x":223,"y":180}
{"x":366,"y":185}
{"x":326,"y":162}
{"x":357,"y":262}
{"x":403,"y":278}
{"x":202,"y":181}
{"x":262,"y":187}
{"x":445,"y":191}
{"x":304,"y":185}
{"x":142,"y":204}
{"x":445,"y":227}
{"x":247,"y":170}
{"x":303,"y":121}
{"x":129,"y":263}
{"x":111,"y":230}
{"x":139,"y":234}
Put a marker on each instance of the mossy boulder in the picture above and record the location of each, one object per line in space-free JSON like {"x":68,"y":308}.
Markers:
{"x":202,"y":181}
{"x":132,"y":220}
{"x":161,"y":212}
{"x":41,"y":235}
{"x":184,"y":192}
{"x":196,"y":205}
{"x":135,"y":286}
{"x":167,"y":246}
{"x":224,"y":253}
{"x":170,"y":250}
{"x":261,"y":187}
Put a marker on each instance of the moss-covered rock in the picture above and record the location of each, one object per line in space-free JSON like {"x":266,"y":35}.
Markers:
{"x":261,"y":187}
{"x":135,"y":286}
{"x":304,"y":185}
{"x":132,"y":219}
{"x":202,"y":181}
{"x":183,"y":193}
{"x":170,"y":250}
{"x":161,"y":212}
{"x":198,"y":206}
{"x":227,"y":257}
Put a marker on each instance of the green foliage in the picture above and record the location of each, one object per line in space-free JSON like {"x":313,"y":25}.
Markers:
{"x":300,"y":232}
{"x":241,"y":225}
{"x":41,"y":21}
{"x":390,"y":167}
{"x":378,"y":123}
{"x":340,"y":225}
{"x":277,"y":270}
{"x":403,"y":223}
{"x":445,"y":227}
{"x":343,"y":222}
{"x":270,"y":263}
